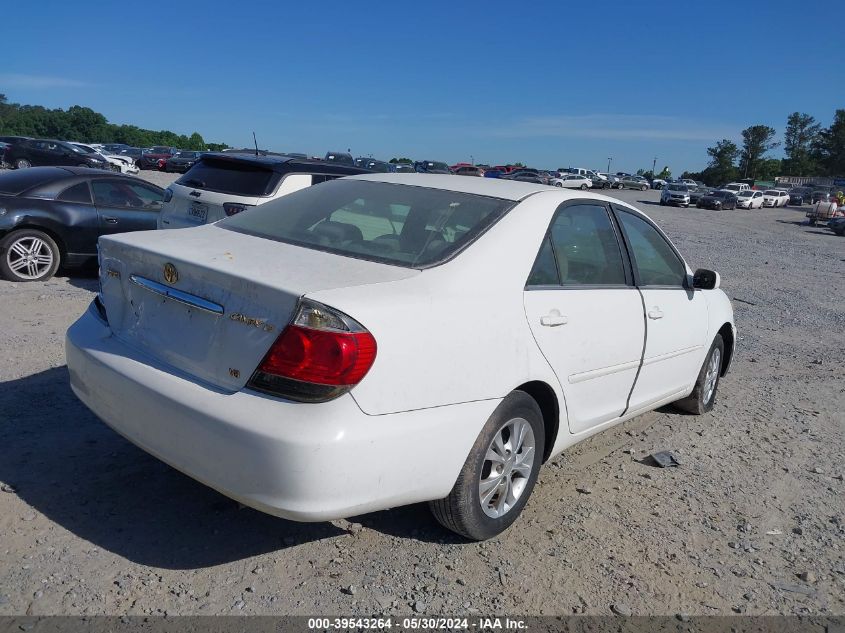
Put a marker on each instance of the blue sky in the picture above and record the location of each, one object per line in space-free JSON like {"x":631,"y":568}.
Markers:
{"x":552,"y":84}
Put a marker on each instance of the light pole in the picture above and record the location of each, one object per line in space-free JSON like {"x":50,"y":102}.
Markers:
{"x":608,"y":164}
{"x":653,"y":167}
{"x":472,"y":159}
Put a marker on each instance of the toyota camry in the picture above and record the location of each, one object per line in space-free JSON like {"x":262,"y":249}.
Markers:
{"x":388,"y":339}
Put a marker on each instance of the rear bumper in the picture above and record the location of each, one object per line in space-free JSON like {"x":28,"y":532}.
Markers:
{"x":306,"y":462}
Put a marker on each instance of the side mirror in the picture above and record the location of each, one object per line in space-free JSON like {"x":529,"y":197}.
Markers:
{"x":704,"y":279}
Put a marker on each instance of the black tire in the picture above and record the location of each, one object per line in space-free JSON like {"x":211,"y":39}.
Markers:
{"x":620,"y":186}
{"x":583,"y":187}
{"x":25,"y":236}
{"x":662,"y":203}
{"x":699,"y":402}
{"x":558,"y":184}
{"x":644,"y":188}
{"x":22,"y":163}
{"x":462,"y":511}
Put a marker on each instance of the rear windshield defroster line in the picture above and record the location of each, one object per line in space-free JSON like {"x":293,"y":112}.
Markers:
{"x":402,"y":225}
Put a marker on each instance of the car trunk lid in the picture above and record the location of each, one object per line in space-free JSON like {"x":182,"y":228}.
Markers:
{"x":210,"y":302}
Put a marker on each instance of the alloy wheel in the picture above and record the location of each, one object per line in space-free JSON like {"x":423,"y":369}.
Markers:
{"x":507,"y":467}
{"x":712,"y":374}
{"x":29,"y":257}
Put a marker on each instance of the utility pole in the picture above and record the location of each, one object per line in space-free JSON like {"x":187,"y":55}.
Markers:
{"x":653,"y":167}
{"x":608,"y":164}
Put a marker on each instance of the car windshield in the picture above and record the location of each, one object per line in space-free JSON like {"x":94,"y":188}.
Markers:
{"x":772,"y":192}
{"x":187,"y":155}
{"x":413,"y":227}
{"x":158,"y":150}
{"x":746,"y":194}
{"x":677,"y":188}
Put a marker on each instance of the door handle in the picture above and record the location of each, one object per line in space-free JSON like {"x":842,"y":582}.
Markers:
{"x":553,"y":320}
{"x":110,"y":219}
{"x":655,"y":313}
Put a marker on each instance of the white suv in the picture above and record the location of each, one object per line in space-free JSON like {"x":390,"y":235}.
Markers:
{"x":221,"y":185}
{"x":736,"y":187}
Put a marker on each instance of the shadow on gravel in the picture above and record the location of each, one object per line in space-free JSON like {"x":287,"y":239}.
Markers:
{"x":80,"y":474}
{"x":85,"y":278}
{"x":649,"y":202}
{"x":69,"y":466}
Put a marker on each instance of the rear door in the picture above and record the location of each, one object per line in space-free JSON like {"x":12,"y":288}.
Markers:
{"x":676,"y":316}
{"x":123,"y":205}
{"x":585,"y":313}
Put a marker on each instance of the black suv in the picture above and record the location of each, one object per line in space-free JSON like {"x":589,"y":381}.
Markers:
{"x":40,"y":152}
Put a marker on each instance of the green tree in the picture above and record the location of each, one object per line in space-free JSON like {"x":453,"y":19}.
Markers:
{"x":769,"y":168}
{"x":756,"y":141}
{"x":402,"y":161}
{"x":830,"y":146}
{"x":722,"y":166}
{"x":666,"y":173}
{"x":801,"y":134}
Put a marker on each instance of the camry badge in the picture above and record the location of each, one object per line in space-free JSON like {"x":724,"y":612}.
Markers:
{"x":171,"y":275}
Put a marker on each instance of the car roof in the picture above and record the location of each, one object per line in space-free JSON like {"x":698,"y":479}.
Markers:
{"x":285,"y":164}
{"x":493,"y":187}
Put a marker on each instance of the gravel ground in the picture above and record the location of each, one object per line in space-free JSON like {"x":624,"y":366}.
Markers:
{"x":753,"y":521}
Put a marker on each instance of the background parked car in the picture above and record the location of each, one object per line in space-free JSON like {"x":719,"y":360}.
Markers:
{"x":156,"y":157}
{"x":775,"y":198}
{"x":123,"y":164}
{"x":181,"y":161}
{"x":403,"y":168}
{"x":220,"y":185}
{"x":572,"y":181}
{"x":54,"y":216}
{"x":675,"y":194}
{"x":698,"y":193}
{"x":50,"y":152}
{"x":719,"y":199}
{"x":469,"y":171}
{"x":341,"y":158}
{"x":749,"y":199}
{"x":799,"y":195}
{"x":431,"y":167}
{"x":378,"y":166}
{"x":634,"y":182}
{"x":820,"y":195}
{"x":658,"y":183}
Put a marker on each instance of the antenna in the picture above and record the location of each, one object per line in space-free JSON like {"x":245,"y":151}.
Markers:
{"x":255,"y":141}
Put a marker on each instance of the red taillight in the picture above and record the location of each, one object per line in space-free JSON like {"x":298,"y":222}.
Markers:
{"x":232,"y":208}
{"x":321,"y":357}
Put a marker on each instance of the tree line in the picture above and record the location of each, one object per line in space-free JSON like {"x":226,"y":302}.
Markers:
{"x":810,"y":150}
{"x":83,"y":124}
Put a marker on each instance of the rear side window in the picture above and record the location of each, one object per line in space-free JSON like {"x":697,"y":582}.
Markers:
{"x":17,"y":181}
{"x":582,"y":244}
{"x":655,"y":261}
{"x":414,"y":227}
{"x":77,"y":193}
{"x":233,"y":177}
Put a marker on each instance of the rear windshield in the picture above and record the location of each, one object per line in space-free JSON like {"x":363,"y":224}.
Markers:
{"x":413,"y":227}
{"x":228,"y":176}
{"x":771,"y":192}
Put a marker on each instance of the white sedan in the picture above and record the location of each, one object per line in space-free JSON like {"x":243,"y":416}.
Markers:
{"x":775,"y":198}
{"x":749,"y":199}
{"x":572,"y":181}
{"x":124,"y":164}
{"x":389,"y":339}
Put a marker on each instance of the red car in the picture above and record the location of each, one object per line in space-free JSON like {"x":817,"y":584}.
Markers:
{"x":156,"y":157}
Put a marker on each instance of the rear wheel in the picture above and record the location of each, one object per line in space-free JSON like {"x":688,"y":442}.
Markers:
{"x":619,"y":186}
{"x":22,"y":163}
{"x":644,"y":188}
{"x":558,"y":184}
{"x":28,"y":255}
{"x":704,"y":393}
{"x":584,"y":186}
{"x":499,"y":473}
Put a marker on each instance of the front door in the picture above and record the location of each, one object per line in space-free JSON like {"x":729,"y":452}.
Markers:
{"x":585,"y":313}
{"x":123,"y":205}
{"x":676,"y":315}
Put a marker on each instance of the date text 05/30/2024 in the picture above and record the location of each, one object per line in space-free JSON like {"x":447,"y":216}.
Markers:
{"x":426,"y":623}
